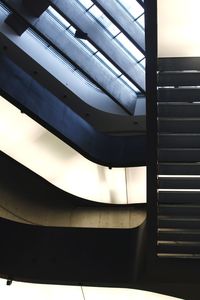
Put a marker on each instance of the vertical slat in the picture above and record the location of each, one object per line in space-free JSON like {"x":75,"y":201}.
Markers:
{"x":151,"y":104}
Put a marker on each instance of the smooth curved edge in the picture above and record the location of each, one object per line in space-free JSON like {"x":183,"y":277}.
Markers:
{"x":28,"y":198}
{"x":46,"y":109}
{"x":59,"y":254}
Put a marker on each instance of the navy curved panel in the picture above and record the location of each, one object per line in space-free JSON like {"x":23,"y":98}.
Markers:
{"x":36,"y":101}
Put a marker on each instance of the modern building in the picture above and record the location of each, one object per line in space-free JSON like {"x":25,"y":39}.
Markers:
{"x":77,"y":68}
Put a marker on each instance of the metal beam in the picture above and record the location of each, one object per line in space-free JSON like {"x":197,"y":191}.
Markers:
{"x":36,"y":7}
{"x":141,"y":2}
{"x":76,"y":15}
{"x":67,"y":45}
{"x":121,"y":19}
{"x":18,"y":24}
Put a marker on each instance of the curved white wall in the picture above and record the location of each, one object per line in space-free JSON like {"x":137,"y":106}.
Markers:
{"x":32,"y":145}
{"x":50,"y":292}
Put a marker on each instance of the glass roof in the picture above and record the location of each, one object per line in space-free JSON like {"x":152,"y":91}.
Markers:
{"x":107,"y":24}
{"x":132,"y":7}
{"x":129,"y":47}
{"x":116,"y":36}
{"x":86,"y":3}
{"x":141,"y":20}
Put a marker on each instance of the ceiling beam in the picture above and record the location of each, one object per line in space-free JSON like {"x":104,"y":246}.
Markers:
{"x":74,"y":13}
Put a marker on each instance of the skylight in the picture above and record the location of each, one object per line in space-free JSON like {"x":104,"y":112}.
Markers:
{"x":97,"y":43}
{"x":129,"y":83}
{"x":117,"y":35}
{"x":133,"y":7}
{"x":141,"y":20}
{"x":58,"y":17}
{"x":121,"y":38}
{"x":86,"y":3}
{"x":128,"y":47}
{"x":107,"y":63}
{"x":107,"y":24}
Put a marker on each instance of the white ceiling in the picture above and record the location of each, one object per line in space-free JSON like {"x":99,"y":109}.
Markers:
{"x":178,"y":28}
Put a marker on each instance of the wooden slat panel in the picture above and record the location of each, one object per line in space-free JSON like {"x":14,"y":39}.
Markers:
{"x":179,"y":79}
{"x":178,"y":95}
{"x":179,"y":140}
{"x":178,"y":63}
{"x":179,"y":155}
{"x":178,"y":183}
{"x":176,"y":197}
{"x":179,"y":110}
{"x":167,"y":125}
{"x":179,"y":169}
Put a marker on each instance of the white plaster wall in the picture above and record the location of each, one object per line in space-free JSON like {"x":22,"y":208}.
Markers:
{"x":178,"y":28}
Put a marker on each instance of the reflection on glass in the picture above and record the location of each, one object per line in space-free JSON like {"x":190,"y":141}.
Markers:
{"x":141,"y":20}
{"x":118,"y":37}
{"x":133,"y":7}
{"x":129,"y":47}
{"x":72,"y":30}
{"x":96,"y":12}
{"x":143,"y":62}
{"x":106,"y":62}
{"x":129,"y":83}
{"x":106,"y":22}
{"x":58,"y":17}
{"x":86,"y":3}
{"x":89,"y":46}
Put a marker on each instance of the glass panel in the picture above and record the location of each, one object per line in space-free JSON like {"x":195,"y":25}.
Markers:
{"x":113,"y":29}
{"x":106,"y":62}
{"x":141,"y":21}
{"x":143,"y":62}
{"x":121,"y":39}
{"x":133,"y":7}
{"x":58,"y":17}
{"x":89,"y":46}
{"x":97,"y":13}
{"x":86,"y":3}
{"x":129,"y":84}
{"x":51,"y":48}
{"x":72,"y":30}
{"x":129,"y":47}
{"x":124,"y":42}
